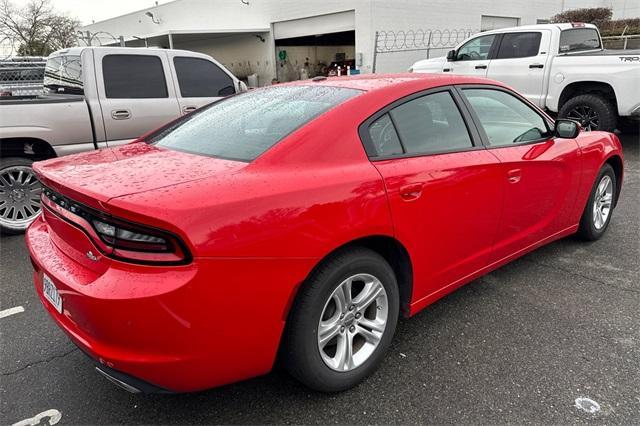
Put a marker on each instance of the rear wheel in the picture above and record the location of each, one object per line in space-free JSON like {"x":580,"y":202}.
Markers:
{"x":19,"y":195}
{"x":342,"y":322}
{"x":592,"y":111}
{"x":597,"y":213}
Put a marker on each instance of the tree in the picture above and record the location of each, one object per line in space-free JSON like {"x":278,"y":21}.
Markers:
{"x":37,"y":29}
{"x":594,"y":15}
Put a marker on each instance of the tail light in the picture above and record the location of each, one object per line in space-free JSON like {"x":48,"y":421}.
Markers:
{"x":118,"y":238}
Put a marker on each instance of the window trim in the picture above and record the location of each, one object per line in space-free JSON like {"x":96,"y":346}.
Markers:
{"x":497,"y":50}
{"x":365,"y":138}
{"x":223,"y":70}
{"x":162,"y":68}
{"x":483,"y":135}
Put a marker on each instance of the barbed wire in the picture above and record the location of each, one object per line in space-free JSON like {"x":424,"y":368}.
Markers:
{"x":410,"y":40}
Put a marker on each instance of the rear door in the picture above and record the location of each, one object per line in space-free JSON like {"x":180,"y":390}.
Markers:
{"x":199,"y":81}
{"x":522,"y":61}
{"x":473,"y":57}
{"x":538,"y":170}
{"x":136,"y":92}
{"x":445,"y":190}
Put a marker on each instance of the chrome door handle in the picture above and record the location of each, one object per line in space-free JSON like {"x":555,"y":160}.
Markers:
{"x":188,"y":109}
{"x":120,"y":114}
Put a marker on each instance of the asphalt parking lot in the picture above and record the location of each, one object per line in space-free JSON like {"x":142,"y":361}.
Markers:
{"x":517,"y":346}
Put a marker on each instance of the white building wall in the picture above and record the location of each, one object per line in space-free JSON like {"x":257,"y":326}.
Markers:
{"x":259,"y":15}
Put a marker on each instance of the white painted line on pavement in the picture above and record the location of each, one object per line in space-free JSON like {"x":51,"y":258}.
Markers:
{"x":11,"y":311}
{"x":52,"y":415}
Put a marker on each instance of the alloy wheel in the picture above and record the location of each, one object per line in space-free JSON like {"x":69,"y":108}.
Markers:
{"x":19,"y":197}
{"x":602,"y":202}
{"x":586,"y":116}
{"x":353,"y":322}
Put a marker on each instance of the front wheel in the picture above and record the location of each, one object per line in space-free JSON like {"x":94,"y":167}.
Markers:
{"x":19,"y":195}
{"x":597,"y":214}
{"x":342,"y":321}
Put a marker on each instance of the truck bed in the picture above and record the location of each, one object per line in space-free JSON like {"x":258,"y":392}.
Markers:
{"x":40,"y":99}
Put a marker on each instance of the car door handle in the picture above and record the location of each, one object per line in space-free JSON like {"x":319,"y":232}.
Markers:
{"x":411,"y":192}
{"x":188,"y":109}
{"x":446,"y":69}
{"x":120,"y":114}
{"x":514,"y":175}
{"x":481,"y":67}
{"x":536,"y":66}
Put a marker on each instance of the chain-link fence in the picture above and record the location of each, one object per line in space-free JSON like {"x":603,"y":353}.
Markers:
{"x":412,"y":45}
{"x":21,"y":76}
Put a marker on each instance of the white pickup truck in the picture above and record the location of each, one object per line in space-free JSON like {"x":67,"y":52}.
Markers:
{"x":559,"y":67}
{"x":97,"y":97}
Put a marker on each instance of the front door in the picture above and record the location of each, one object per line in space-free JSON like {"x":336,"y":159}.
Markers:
{"x":473,"y":57}
{"x":200,"y":81}
{"x":538,"y":170}
{"x":521,"y":62}
{"x":445,"y":192}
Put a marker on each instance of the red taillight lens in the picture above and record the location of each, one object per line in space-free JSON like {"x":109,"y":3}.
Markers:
{"x":118,"y":238}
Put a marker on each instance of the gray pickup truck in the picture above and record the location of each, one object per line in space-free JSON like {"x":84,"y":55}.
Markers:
{"x":97,"y":97}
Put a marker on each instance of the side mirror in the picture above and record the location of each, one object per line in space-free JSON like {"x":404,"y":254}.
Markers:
{"x":451,"y":55}
{"x":567,"y":129}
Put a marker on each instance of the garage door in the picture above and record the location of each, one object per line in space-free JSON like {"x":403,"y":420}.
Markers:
{"x":496,"y":22}
{"x":321,"y":24}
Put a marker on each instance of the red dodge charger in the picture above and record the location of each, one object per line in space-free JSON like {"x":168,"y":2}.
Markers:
{"x":299,"y":221}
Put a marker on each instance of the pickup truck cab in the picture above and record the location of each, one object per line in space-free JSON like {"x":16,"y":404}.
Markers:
{"x":562,"y":68}
{"x":97,"y":97}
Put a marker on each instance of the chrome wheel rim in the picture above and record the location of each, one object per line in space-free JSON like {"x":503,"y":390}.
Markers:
{"x":586,"y":116}
{"x":19,"y":197}
{"x":602,"y":202}
{"x":352,"y":323}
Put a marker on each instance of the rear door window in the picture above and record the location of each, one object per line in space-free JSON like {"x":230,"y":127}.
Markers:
{"x":133,"y":77}
{"x":519,"y":45}
{"x":200,"y":78}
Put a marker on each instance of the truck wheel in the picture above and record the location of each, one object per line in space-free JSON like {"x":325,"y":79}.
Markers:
{"x":342,"y":321}
{"x":592,"y":111}
{"x":629,"y":126}
{"x":19,"y":195}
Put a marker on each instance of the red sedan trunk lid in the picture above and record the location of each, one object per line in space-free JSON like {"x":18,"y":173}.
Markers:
{"x":95,"y":177}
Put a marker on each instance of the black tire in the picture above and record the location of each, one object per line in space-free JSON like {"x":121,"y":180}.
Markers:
{"x":301,"y":354}
{"x":7,"y":226}
{"x":604,"y":110}
{"x":629,"y":126}
{"x":587,"y":229}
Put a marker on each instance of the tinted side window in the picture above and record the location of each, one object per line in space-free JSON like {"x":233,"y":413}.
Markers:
{"x":384,"y":137}
{"x":579,"y":39}
{"x":133,"y":76}
{"x":431,"y":124}
{"x":519,"y":45}
{"x":476,"y":49}
{"x":199,"y":78}
{"x":506,"y":119}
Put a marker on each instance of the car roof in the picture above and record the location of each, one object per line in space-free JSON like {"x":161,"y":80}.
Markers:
{"x":373,"y":82}
{"x":560,"y":26}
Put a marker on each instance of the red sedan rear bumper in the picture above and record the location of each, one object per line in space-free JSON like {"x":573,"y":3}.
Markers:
{"x":181,"y":329}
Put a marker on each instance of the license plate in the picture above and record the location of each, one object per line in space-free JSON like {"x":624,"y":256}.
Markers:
{"x":51,"y":293}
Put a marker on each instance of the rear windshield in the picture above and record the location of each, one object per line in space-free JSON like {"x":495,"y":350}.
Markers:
{"x":578,"y":39}
{"x":244,"y":126}
{"x":63,"y":74}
